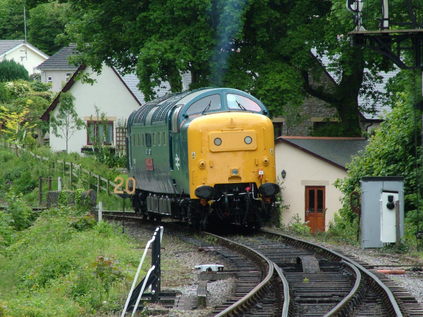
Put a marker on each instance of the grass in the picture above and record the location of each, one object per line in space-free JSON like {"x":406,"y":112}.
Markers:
{"x":66,"y":264}
{"x":21,"y":175}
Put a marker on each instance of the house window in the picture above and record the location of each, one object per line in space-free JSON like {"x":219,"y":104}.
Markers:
{"x":100,"y":132}
{"x":49,"y":79}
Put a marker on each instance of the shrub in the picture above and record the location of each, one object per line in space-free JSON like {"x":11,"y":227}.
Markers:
{"x":392,"y":151}
{"x":20,"y":213}
{"x":10,"y":70}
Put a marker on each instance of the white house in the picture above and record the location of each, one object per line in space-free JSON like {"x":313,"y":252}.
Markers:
{"x":22,"y":53}
{"x":112,"y":94}
{"x":307,"y":168}
{"x":57,"y":70}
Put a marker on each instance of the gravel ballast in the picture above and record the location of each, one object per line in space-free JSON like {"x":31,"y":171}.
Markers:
{"x":180,"y":258}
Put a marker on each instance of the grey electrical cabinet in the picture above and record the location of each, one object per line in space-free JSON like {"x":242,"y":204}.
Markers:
{"x":382,"y":211}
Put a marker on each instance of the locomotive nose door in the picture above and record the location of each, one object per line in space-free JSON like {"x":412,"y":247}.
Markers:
{"x":174,"y":159}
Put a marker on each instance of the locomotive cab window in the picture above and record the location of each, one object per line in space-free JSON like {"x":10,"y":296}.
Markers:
{"x":206,"y":104}
{"x":238,"y":102}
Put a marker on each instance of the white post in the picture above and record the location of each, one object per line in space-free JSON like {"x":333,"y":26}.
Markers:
{"x":385,"y":15}
{"x":100,"y":211}
{"x":59,"y":184}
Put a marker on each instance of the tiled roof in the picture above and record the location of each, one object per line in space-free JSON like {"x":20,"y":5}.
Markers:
{"x":132,"y":81}
{"x":338,"y":151}
{"x":7,"y":45}
{"x":60,"y":60}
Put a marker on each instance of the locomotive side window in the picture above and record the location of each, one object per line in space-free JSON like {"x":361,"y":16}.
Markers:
{"x":241,"y":102}
{"x":163,"y":138}
{"x":148,"y":140}
{"x":205,"y":104}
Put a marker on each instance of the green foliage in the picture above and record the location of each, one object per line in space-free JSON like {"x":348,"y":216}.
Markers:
{"x":47,"y":21}
{"x":344,"y":229}
{"x":107,"y":156}
{"x":55,"y":269}
{"x":84,"y":223}
{"x":4,"y":93}
{"x":299,"y":227}
{"x":20,"y":96}
{"x":21,"y":214}
{"x":11,"y":19}
{"x":6,"y":231}
{"x":10,"y":70}
{"x":37,"y":85}
{"x":391,"y":151}
{"x":261,"y":47}
{"x":330,"y":129}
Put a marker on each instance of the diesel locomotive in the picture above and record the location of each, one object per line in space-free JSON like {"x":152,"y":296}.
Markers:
{"x":203,"y":156}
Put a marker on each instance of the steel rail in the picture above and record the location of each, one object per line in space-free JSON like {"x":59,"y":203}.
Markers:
{"x":388,"y":297}
{"x":245,"y":302}
{"x":286,"y":295}
{"x":341,"y":308}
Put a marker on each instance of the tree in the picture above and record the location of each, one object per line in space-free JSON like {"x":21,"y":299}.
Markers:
{"x":45,"y":25}
{"x":30,"y":98}
{"x":11,"y":19}
{"x":10,"y":70}
{"x":15,"y":126}
{"x":263,"y":47}
{"x":65,"y":122}
{"x":393,"y":150}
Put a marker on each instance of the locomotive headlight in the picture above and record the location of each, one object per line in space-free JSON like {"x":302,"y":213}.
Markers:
{"x":217,"y":141}
{"x":248,"y":140}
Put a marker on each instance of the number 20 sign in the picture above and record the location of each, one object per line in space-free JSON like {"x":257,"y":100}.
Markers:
{"x":130,"y":185}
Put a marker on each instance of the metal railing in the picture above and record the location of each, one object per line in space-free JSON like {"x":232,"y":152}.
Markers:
{"x":152,"y":277}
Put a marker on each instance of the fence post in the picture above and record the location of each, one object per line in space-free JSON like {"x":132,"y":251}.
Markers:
{"x":71,"y":175}
{"x":59,"y":184}
{"x":100,"y":212}
{"x":64,"y":168}
{"x":40,"y":190}
{"x":49,"y":183}
{"x":107,"y":187}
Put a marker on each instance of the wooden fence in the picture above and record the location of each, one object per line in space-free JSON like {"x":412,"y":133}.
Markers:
{"x":70,"y":170}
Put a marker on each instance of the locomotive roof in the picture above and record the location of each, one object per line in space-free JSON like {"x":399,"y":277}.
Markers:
{"x":158,"y":109}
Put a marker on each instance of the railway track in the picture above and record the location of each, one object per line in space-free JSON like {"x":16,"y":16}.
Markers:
{"x":279,"y":275}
